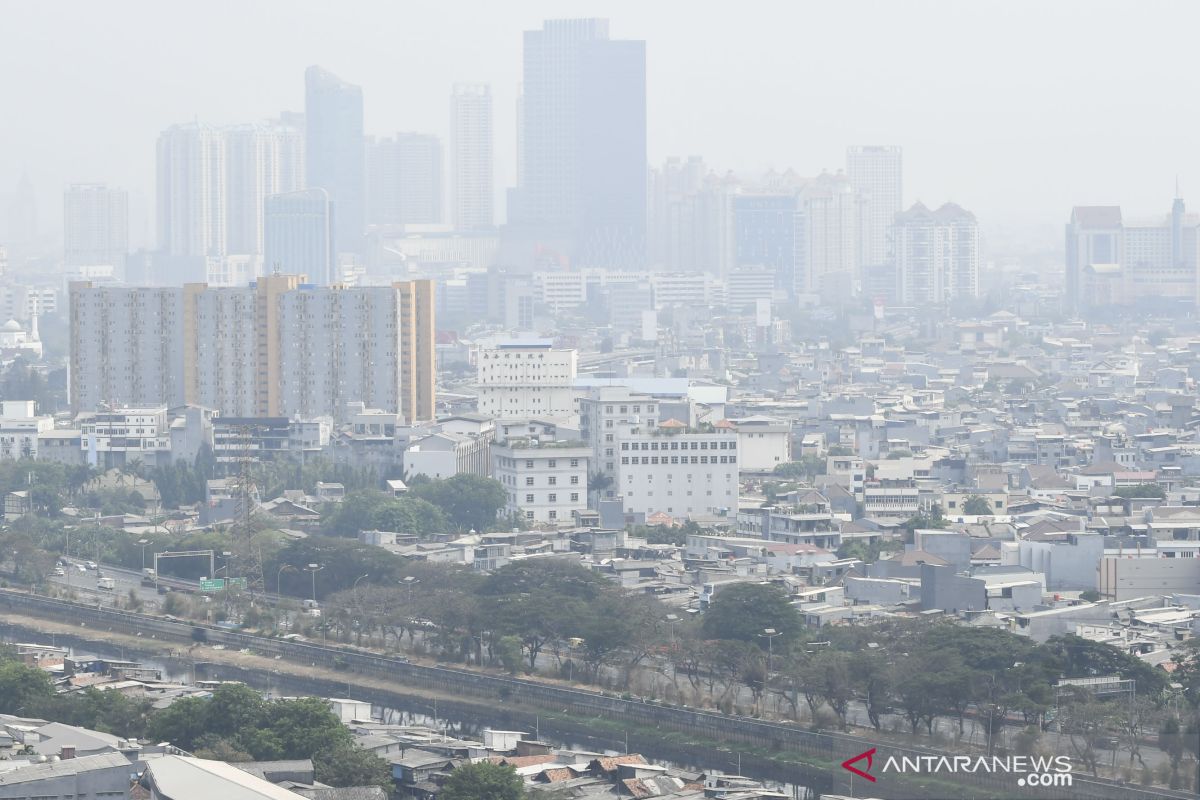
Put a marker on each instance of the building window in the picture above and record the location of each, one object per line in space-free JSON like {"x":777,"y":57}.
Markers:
{"x":552,"y":480}
{"x":553,"y":463}
{"x":553,"y":498}
{"x":575,"y":478}
{"x":574,"y":462}
{"x":529,"y":481}
{"x":574,"y":497}
{"x":528,"y":515}
{"x":553,"y":515}
{"x":529,"y":463}
{"x":528,"y":498}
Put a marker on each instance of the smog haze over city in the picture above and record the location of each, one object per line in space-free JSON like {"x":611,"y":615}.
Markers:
{"x":585,"y":400}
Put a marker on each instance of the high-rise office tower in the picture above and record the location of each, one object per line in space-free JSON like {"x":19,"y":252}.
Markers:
{"x":584,"y":140}
{"x":471,"y":156}
{"x":404,"y":183}
{"x":876,"y":173}
{"x":334,"y":156}
{"x":95,"y":226}
{"x":260,"y":160}
{"x":299,"y":235}
{"x":191,"y":191}
{"x":937,"y":254}
{"x":279,"y":347}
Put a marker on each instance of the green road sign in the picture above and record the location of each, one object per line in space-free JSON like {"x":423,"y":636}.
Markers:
{"x":214,"y":585}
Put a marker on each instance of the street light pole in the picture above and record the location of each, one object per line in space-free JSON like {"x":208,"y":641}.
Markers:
{"x":314,"y":569}
{"x":143,"y":543}
{"x":279,"y":575}
{"x":769,"y":634}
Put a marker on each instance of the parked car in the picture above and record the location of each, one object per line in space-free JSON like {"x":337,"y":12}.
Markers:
{"x":58,"y":571}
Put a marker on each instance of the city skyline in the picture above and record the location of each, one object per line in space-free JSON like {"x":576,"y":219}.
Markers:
{"x":980,"y":153}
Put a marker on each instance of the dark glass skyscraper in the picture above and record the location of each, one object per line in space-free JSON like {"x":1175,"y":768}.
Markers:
{"x":584,"y":141}
{"x":298,"y":235}
{"x":334,"y":150}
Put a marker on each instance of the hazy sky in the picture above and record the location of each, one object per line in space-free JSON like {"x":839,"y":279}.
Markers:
{"x":1016,"y":110}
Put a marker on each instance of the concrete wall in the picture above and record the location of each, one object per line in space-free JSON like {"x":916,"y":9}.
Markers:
{"x":1127,"y":578}
{"x":1067,"y":566}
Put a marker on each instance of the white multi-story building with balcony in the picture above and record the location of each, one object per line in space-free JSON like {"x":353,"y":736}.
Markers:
{"x":124,"y":435}
{"x":19,"y":429}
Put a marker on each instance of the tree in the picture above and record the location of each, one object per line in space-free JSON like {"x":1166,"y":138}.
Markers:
{"x":1141,"y":490}
{"x":470,"y":502}
{"x":1076,"y":657}
{"x":483,"y":781}
{"x":23,"y":690}
{"x":347,"y":764}
{"x":744,"y":610}
{"x":305,"y":726}
{"x":978,"y":506}
{"x":182,"y":723}
{"x":371,"y":510}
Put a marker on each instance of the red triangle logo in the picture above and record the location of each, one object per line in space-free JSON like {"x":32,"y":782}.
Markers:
{"x":869,"y":755}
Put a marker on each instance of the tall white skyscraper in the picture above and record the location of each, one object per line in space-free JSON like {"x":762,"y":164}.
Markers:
{"x":260,"y":160}
{"x":191,"y":191}
{"x":937,"y":254}
{"x":471,"y":156}
{"x":833,"y":212}
{"x":404,"y":180}
{"x":95,"y":226}
{"x":212,"y":182}
{"x":876,"y":173}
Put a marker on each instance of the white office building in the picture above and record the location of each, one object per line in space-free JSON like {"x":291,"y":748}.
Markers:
{"x":763,"y":443}
{"x":525,"y":379}
{"x":558,"y":290}
{"x":676,"y":469}
{"x":122,"y":435}
{"x":545,"y":481}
